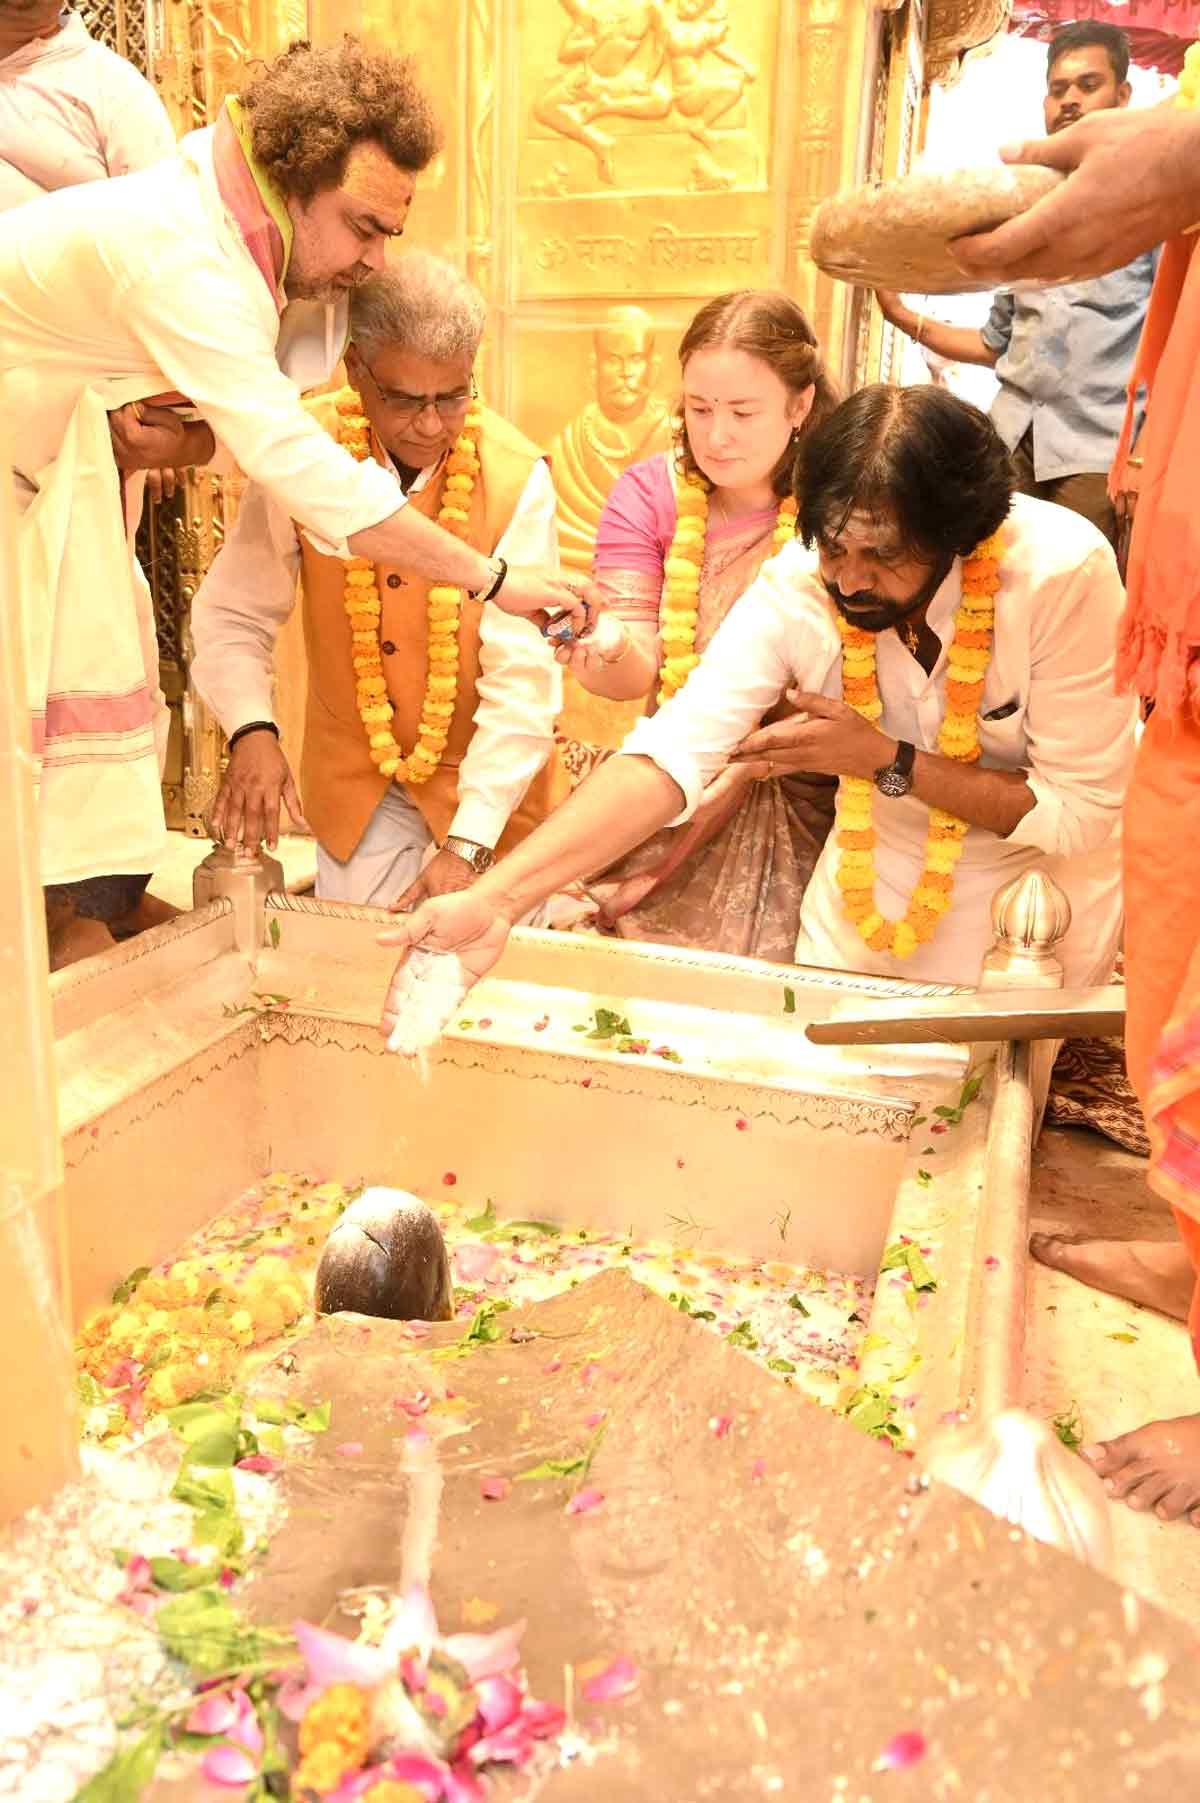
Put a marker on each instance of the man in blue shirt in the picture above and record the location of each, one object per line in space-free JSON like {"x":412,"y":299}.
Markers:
{"x":1062,"y":355}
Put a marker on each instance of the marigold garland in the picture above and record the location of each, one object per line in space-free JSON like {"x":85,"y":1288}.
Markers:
{"x":684,"y":567}
{"x":1188,"y":92}
{"x":444,"y":607}
{"x":958,"y":738}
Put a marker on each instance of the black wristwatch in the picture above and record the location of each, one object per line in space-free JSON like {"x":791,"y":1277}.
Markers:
{"x":895,"y":779}
{"x":479,"y":857}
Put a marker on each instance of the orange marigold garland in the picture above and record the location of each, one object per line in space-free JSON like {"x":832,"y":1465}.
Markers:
{"x":684,"y":566}
{"x":958,"y":738}
{"x":362,"y":603}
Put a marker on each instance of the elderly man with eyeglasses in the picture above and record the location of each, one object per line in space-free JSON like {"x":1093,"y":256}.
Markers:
{"x":429,"y":725}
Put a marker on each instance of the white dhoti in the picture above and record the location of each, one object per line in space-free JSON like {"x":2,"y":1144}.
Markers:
{"x":91,"y":660}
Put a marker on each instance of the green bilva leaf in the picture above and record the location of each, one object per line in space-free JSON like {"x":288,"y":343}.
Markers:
{"x":273,"y":935}
{"x":176,"y":1574}
{"x":128,"y":1285}
{"x":485,"y":1328}
{"x":610,"y":1024}
{"x":901,"y":1255}
{"x":780,"y":1365}
{"x":484,"y":1222}
{"x":873,"y":1408}
{"x":128,"y":1775}
{"x":742,"y":1335}
{"x":555,"y":1468}
{"x":789,"y":1001}
{"x":795,"y":1302}
{"x":209,"y":1430}
{"x":313,"y":1417}
{"x":203,"y":1630}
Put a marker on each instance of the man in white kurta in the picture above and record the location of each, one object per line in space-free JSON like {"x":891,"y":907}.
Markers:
{"x":71,"y":109}
{"x":1049,"y":709}
{"x":209,"y":277}
{"x":896,"y":489}
{"x":418,"y":325}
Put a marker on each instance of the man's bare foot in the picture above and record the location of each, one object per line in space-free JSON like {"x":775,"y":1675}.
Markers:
{"x":1156,"y":1273}
{"x":1155,"y":1467}
{"x":76,"y":938}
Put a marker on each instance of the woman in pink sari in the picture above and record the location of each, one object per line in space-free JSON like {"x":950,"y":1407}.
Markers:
{"x":682,"y":536}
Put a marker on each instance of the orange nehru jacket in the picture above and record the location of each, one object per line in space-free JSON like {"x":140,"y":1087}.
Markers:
{"x":341,"y":786}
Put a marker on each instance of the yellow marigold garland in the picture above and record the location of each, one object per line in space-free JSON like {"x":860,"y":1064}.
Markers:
{"x":1188,"y":92}
{"x":958,"y":738}
{"x":684,"y":565}
{"x":362,"y":603}
{"x":335,"y":1739}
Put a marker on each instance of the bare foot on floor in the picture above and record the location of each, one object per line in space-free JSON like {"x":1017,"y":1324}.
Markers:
{"x":1155,"y":1467}
{"x":1156,"y":1273}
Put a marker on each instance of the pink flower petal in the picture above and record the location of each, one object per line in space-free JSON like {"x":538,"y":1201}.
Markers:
{"x":511,"y":1746}
{"x":758,"y":1470}
{"x":499,"y":1701}
{"x":584,"y":1501}
{"x":461,"y":1786}
{"x":543,"y":1719}
{"x":495,"y":1489}
{"x":904,"y":1749}
{"x":616,"y":1680}
{"x":487,"y":1655}
{"x":332,"y":1659}
{"x":349,"y":1449}
{"x":246,"y":1732}
{"x":473,"y":1263}
{"x":719,"y":1425}
{"x":137,"y":1572}
{"x":294,"y":1698}
{"x":259,"y":1461}
{"x":229,"y":1765}
{"x":413,"y":1406}
{"x":214,"y":1714}
{"x":991,"y":1262}
{"x":423,"y":1773}
{"x":595,"y":1418}
{"x":554,"y":1365}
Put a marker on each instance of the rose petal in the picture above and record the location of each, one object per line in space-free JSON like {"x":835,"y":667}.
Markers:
{"x":228,"y":1765}
{"x":595,"y":1418}
{"x":419,"y":1770}
{"x":460,"y":1786}
{"x":904,"y":1749}
{"x":473,"y":1263}
{"x":511,"y":1746}
{"x":294,"y":1698}
{"x":758,"y":1470}
{"x":543,"y":1719}
{"x":258,"y":1461}
{"x":349,"y":1449}
{"x":137,"y":1572}
{"x":332,"y":1659}
{"x":495,"y":1489}
{"x":214,"y":1714}
{"x":413,"y":1406}
{"x":991,"y":1262}
{"x":584,"y":1501}
{"x":719,"y":1425}
{"x":615,"y":1681}
{"x":499,"y":1701}
{"x":486,"y":1655}
{"x":246,"y":1732}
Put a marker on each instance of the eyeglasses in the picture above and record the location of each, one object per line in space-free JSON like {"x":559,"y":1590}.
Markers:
{"x":405,"y":408}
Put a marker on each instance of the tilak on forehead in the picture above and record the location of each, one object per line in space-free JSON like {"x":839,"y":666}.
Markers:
{"x":375,"y":183}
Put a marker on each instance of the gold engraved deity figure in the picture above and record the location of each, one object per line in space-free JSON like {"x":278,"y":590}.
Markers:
{"x":625,"y":422}
{"x":658,"y":60}
{"x":703,"y":95}
{"x":612,"y":58}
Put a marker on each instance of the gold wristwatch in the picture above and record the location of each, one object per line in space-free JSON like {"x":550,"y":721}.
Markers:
{"x":479,"y":857}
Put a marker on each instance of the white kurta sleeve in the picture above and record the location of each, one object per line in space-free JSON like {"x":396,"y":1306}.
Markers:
{"x":770,"y":638}
{"x":243,"y":602}
{"x":1080,"y":731}
{"x":520,"y":685}
{"x":214,"y":344}
{"x":135,"y":130}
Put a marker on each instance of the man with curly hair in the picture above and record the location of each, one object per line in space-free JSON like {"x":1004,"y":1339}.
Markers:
{"x":216,"y":282}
